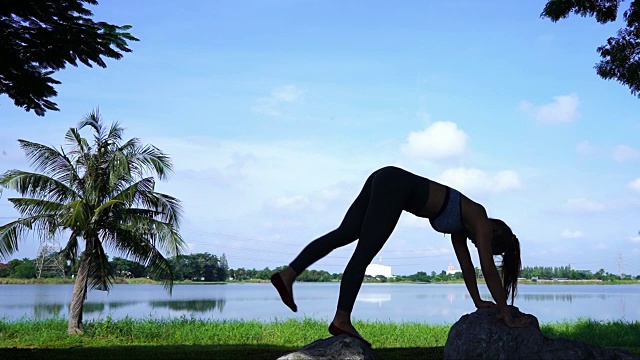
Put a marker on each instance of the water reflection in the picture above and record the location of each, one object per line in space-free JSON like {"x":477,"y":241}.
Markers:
{"x":49,"y":310}
{"x":120,"y":304}
{"x":93,"y":307}
{"x":199,"y":306}
{"x":561,"y":297}
{"x":46,"y":311}
{"x":378,"y":298}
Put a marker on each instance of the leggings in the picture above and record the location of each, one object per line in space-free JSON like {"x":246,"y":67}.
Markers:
{"x":371,"y":219}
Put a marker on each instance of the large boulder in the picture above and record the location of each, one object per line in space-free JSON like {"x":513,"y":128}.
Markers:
{"x":481,"y":335}
{"x":342,"y":347}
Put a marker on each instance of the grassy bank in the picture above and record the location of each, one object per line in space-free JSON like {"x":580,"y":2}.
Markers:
{"x":195,"y":339}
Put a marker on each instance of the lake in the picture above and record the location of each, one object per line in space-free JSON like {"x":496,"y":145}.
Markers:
{"x":428,"y":303}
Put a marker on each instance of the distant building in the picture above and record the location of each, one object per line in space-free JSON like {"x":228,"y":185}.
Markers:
{"x":378,"y":269}
{"x":451,"y":270}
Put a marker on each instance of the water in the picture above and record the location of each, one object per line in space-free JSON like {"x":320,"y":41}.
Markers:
{"x":429,"y":303}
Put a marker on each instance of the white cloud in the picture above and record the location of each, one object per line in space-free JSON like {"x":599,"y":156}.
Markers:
{"x":635,"y":238}
{"x":476,"y":181}
{"x":567,"y":234}
{"x":563,"y":108}
{"x":440,"y":140}
{"x":280,"y":96}
{"x":582,"y":205}
{"x":624,"y":153}
{"x":635,"y":185}
{"x":585,"y":148}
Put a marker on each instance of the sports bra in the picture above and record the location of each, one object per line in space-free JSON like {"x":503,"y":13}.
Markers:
{"x":449,"y":218}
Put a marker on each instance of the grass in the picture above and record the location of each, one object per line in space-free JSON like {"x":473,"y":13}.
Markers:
{"x":188,"y":338}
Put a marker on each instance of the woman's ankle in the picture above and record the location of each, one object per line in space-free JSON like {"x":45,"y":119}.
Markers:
{"x":342,"y":318}
{"x":288,"y":274}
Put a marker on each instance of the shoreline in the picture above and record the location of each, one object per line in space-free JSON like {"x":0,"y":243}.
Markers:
{"x":143,"y":281}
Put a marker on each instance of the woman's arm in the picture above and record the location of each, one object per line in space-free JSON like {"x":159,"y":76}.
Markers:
{"x":459,"y":242}
{"x":483,"y":232}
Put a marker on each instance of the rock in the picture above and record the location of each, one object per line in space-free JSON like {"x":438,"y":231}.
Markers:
{"x":342,"y":347}
{"x":481,"y":335}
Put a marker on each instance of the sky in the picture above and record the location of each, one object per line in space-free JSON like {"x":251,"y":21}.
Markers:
{"x":275,"y":112}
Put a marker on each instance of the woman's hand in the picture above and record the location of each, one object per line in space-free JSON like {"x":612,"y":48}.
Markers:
{"x":485,"y":304}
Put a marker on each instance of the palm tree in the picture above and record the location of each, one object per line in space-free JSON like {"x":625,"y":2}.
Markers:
{"x":97,"y":195}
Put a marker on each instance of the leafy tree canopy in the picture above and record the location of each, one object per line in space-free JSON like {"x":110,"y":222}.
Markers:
{"x":40,"y":37}
{"x":621,"y":54}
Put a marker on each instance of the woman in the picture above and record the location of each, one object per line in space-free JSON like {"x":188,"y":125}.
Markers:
{"x":373,"y":216}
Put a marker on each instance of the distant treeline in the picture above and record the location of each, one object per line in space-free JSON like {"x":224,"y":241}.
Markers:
{"x":194,"y":267}
{"x":566,"y":272}
{"x":211,"y":268}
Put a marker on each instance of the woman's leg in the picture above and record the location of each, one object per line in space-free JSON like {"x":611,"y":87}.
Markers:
{"x":347,"y":232}
{"x":388,"y":198}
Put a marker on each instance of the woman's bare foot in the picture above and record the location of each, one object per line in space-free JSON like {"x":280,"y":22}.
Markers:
{"x":283,"y":282}
{"x":341,"y":324}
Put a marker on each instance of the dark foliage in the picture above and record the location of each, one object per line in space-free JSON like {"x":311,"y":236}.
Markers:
{"x":40,"y":37}
{"x":621,"y":54}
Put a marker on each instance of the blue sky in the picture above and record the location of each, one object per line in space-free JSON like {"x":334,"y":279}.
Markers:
{"x":275,"y":112}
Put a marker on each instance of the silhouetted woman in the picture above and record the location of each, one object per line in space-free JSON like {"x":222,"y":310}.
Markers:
{"x":372,"y":218}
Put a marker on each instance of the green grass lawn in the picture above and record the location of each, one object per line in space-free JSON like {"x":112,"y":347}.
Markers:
{"x":201,"y":339}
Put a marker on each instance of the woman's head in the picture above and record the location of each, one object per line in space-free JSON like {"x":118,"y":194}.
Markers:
{"x":505,"y":243}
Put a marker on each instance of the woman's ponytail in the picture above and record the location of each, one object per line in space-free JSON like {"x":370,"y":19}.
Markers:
{"x":508,"y":245}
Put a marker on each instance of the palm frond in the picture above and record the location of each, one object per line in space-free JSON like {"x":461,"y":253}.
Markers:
{"x":100,"y":271}
{"x":10,"y":235}
{"x":161,"y":235}
{"x":119,"y":171}
{"x":130,"y":146}
{"x":168,"y":206}
{"x":114,"y":136}
{"x":70,"y":251}
{"x":32,"y":207}
{"x":37,"y":186}
{"x":135,"y":245}
{"x":130,"y":149}
{"x":78,"y":216}
{"x":80,"y":147}
{"x":107,"y":206}
{"x":160,"y":268}
{"x":133,"y":214}
{"x":50,"y":161}
{"x":93,"y":120}
{"x":146,"y":159}
{"x":153,"y":159}
{"x":132,"y":193}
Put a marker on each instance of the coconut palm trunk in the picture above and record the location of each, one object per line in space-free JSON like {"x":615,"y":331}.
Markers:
{"x":79,"y":294}
{"x":78,"y":298}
